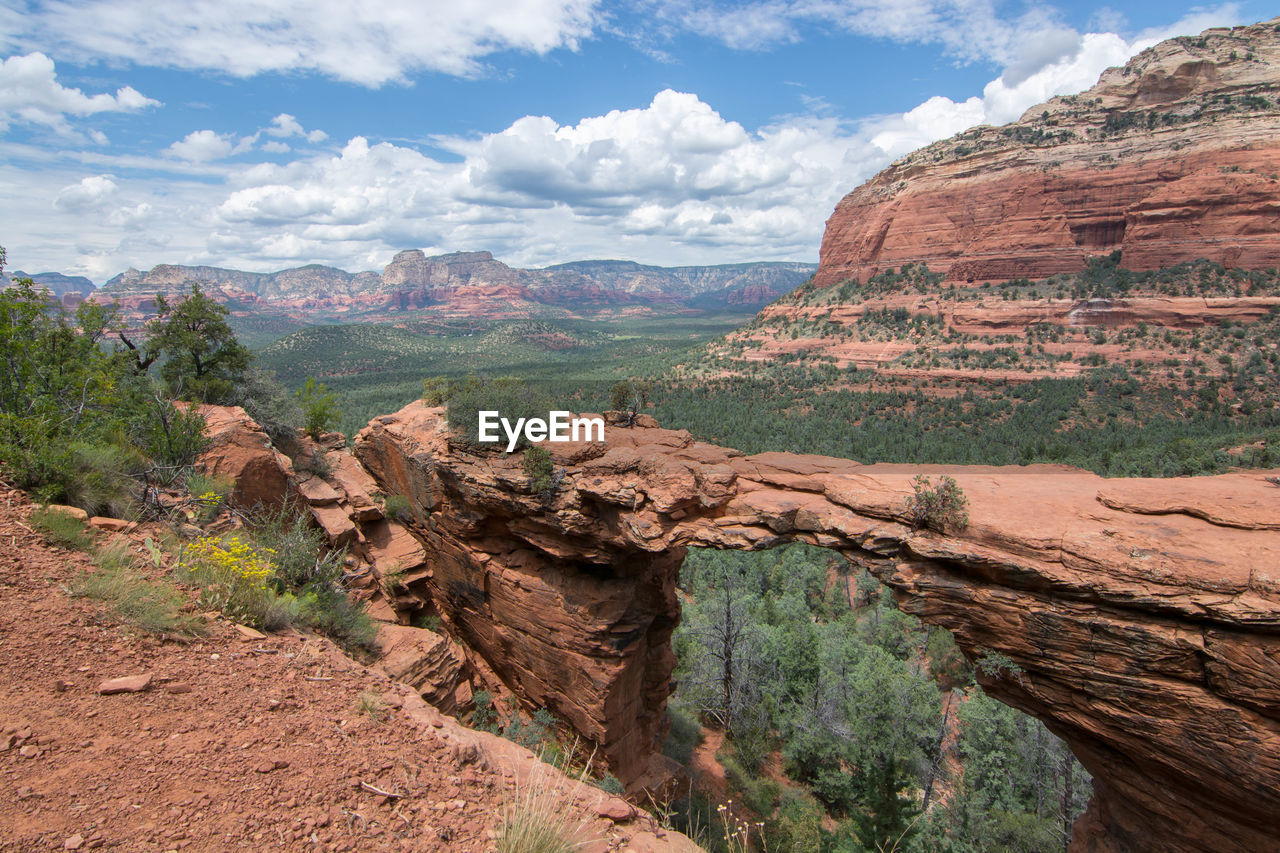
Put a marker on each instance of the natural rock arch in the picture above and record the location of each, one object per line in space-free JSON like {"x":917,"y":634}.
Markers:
{"x":1144,"y":614}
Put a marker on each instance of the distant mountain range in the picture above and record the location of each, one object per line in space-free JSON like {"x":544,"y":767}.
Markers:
{"x":59,"y":285}
{"x":465,"y":285}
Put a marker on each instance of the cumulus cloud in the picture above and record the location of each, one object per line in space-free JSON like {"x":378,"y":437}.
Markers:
{"x":202,"y":146}
{"x":671,"y":182}
{"x":369,"y":44}
{"x":284,"y":126}
{"x":674,"y":174}
{"x":30,"y":93}
{"x":1063,"y":64}
{"x":90,"y":193}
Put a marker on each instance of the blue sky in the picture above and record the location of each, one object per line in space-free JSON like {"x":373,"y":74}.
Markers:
{"x":264,"y":134}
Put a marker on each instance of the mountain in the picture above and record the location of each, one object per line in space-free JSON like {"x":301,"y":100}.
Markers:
{"x":1174,"y":157}
{"x":1135,"y":227}
{"x":71,"y":290}
{"x":466,"y":285}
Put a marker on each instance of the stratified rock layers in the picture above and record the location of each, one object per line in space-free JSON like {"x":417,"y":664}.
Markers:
{"x":1172,"y":158}
{"x":1142,"y":616}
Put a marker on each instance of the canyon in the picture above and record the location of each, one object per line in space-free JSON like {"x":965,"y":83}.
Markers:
{"x":1140,"y":619}
{"x":1172,"y":157}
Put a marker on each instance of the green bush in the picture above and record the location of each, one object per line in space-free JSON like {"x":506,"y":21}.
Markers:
{"x":135,"y":599}
{"x":538,"y":468}
{"x":683,"y":735}
{"x":174,"y":437}
{"x":512,"y":397}
{"x":938,"y":506}
{"x":398,"y":508}
{"x":320,"y":412}
{"x":307,"y":568}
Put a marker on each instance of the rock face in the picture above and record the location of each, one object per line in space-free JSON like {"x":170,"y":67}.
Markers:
{"x":1173,"y":157}
{"x":1143,"y":616}
{"x":383,"y":558}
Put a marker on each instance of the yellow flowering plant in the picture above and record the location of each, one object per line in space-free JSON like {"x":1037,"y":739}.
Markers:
{"x":234,"y":576}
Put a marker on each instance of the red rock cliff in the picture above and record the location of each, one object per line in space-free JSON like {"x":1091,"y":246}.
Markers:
{"x":1144,"y":615}
{"x":1174,"y":157}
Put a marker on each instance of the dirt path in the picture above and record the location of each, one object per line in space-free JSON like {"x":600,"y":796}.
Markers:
{"x":237,"y":744}
{"x":707,"y":769}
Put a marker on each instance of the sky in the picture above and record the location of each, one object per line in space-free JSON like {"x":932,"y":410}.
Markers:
{"x":268,"y":134}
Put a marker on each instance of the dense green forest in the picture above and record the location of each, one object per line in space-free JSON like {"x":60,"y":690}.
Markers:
{"x":845,"y":719}
{"x":376,"y":369}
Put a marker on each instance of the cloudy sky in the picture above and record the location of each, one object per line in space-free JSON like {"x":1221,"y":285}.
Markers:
{"x":264,"y":134}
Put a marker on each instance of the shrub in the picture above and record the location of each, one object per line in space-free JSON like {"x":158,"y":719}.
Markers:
{"x":610,"y":784}
{"x":937,"y":506}
{"x":484,"y":718}
{"x":236,"y":578}
{"x":536,"y":820}
{"x":371,"y":705}
{"x":398,"y":508}
{"x":513,"y":397}
{"x":209,"y":493}
{"x":62,"y":529}
{"x":538,"y":468}
{"x":320,"y":410}
{"x":316,"y":462}
{"x":683,"y":736}
{"x":174,"y":437}
{"x":306,"y":567}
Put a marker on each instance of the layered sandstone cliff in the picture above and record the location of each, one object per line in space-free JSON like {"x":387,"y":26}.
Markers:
{"x":1142,"y":616}
{"x":1173,"y":157}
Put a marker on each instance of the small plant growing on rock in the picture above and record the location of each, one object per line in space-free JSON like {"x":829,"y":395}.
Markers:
{"x":320,"y":410}
{"x":938,"y":506}
{"x":541,"y":473}
{"x":398,"y":507}
{"x":538,"y":818}
{"x":484,"y":718}
{"x":371,"y":705}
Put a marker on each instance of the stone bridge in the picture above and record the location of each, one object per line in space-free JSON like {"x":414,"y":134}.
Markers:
{"x":1144,"y":615}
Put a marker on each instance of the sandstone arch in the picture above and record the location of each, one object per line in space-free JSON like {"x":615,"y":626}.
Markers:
{"x":1145,"y":615}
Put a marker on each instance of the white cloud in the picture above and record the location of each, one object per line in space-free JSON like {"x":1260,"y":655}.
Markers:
{"x":91,"y":193}
{"x":967,"y":29}
{"x":284,"y":125}
{"x":275,"y":146}
{"x":1042,"y":70}
{"x":31,"y":94}
{"x":369,"y":44}
{"x":673,"y":178}
{"x":672,"y":182}
{"x":201,"y":146}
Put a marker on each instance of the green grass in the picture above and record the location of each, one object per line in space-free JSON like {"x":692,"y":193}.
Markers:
{"x":132,"y":597}
{"x":537,"y":819}
{"x":62,"y":529}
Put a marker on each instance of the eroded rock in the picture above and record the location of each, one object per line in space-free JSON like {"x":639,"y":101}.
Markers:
{"x":1145,"y":630}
